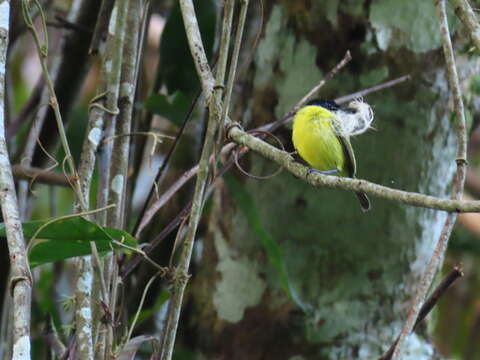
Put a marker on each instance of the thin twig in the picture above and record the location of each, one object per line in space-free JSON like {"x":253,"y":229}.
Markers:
{"x":161,"y":170}
{"x":458,"y":182}
{"x":234,"y":61}
{"x":447,"y":281}
{"x":42,"y":50}
{"x":365,"y":92}
{"x":52,"y":338}
{"x":140,"y":306}
{"x":289,"y":115}
{"x":41,"y":176}
{"x":160,"y":269}
{"x":277,"y":123}
{"x":92,"y":267}
{"x":70,"y":25}
{"x":197,"y":49}
{"x":432,"y":300}
{"x":26,"y":110}
{"x":228,"y":8}
{"x":166,"y":196}
{"x":224,"y":47}
{"x":157,"y":240}
{"x":346,"y":59}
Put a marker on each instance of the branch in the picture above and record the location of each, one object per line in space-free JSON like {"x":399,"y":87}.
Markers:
{"x":365,"y":92}
{"x":21,"y":279}
{"x":346,"y":59}
{"x":448,"y":280}
{"x":113,"y":60}
{"x":101,"y":26}
{"x":196,"y":48}
{"x":458,"y":182}
{"x":334,"y":182}
{"x":70,"y":52}
{"x":41,"y":175}
{"x":277,"y":123}
{"x":469,"y":19}
{"x":235,"y":56}
{"x":166,"y":196}
{"x":42,"y":50}
{"x":83,"y":308}
{"x":228,"y":9}
{"x":121,"y":146}
{"x":432,"y":300}
{"x":101,"y":107}
{"x":213,"y":99}
{"x":53,"y":340}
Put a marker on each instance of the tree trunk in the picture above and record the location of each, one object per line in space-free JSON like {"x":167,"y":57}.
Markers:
{"x":350,"y":275}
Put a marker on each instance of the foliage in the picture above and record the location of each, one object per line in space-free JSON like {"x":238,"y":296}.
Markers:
{"x":58,"y":239}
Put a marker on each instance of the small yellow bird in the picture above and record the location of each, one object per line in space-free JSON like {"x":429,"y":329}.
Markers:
{"x":319,"y":139}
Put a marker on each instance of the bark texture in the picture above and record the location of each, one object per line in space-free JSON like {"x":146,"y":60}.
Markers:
{"x":20,"y":276}
{"x":351,"y":275}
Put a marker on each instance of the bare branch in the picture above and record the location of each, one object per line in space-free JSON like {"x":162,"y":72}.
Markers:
{"x":215,"y":112}
{"x":40,"y":175}
{"x":42,"y":50}
{"x":334,"y":182}
{"x":121,"y":146}
{"x":196,"y":48}
{"x":466,"y":14}
{"x":458,"y":182}
{"x":365,"y":92}
{"x":21,"y":279}
{"x":235,"y":56}
{"x":432,"y":300}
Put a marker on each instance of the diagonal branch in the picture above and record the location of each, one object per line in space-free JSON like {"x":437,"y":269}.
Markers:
{"x":432,"y":300}
{"x":458,"y":182}
{"x":465,"y":12}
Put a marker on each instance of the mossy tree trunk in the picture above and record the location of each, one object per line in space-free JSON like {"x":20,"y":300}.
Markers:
{"x":350,"y":274}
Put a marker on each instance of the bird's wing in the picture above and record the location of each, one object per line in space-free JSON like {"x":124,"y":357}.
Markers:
{"x":350,"y":163}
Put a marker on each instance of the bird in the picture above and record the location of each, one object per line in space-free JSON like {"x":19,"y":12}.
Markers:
{"x":321,"y":136}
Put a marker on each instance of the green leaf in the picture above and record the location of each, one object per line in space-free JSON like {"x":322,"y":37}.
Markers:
{"x":69,"y":237}
{"x":172,"y":107}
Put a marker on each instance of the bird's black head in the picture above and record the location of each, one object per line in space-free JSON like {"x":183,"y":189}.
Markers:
{"x":327,"y":104}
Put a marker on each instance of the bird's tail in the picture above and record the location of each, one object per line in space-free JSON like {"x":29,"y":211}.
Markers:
{"x":364,"y":201}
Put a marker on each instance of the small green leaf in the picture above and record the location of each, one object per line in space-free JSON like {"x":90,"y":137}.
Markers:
{"x":69,"y":237}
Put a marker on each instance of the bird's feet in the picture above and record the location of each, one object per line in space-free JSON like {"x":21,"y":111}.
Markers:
{"x":323,"y":172}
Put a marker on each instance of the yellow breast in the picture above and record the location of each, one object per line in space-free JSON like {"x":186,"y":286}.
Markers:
{"x":315,"y":140}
